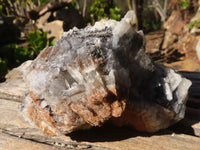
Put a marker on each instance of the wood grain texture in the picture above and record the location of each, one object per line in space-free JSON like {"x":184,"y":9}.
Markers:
{"x":17,"y":134}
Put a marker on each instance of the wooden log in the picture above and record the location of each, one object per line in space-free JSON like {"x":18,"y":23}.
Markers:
{"x":187,"y":126}
{"x":9,"y":142}
{"x":24,"y":136}
{"x":194,"y":92}
{"x":18,"y":134}
{"x":193,"y":113}
{"x":191,"y":75}
{"x":194,"y":103}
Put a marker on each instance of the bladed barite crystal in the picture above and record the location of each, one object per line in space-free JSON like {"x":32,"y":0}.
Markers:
{"x":102,"y":73}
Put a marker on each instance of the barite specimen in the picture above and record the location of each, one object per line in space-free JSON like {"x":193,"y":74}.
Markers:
{"x":102,"y":73}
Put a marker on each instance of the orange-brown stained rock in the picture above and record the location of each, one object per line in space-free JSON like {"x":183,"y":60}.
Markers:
{"x":95,"y":111}
{"x":144,"y":120}
{"x":101,"y":72}
{"x":45,"y":53}
{"x":118,"y":108}
{"x":41,"y":117}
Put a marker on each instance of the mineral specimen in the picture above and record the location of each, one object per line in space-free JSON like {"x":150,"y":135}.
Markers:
{"x":101,"y":73}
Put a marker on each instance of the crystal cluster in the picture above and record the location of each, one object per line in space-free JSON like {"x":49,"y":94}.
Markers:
{"x":101,"y":73}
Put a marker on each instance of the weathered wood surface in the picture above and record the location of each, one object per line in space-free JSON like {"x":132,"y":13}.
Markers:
{"x":17,"y":134}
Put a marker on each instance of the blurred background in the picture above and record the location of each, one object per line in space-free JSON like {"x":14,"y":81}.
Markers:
{"x":171,"y":27}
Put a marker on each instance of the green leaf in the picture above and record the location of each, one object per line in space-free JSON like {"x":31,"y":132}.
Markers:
{"x":1,"y":9}
{"x":3,"y":67}
{"x":43,"y":1}
{"x":194,"y":24}
{"x":185,"y":4}
{"x":51,"y":41}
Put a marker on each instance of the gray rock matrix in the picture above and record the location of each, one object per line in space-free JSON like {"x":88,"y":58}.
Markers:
{"x":101,"y":73}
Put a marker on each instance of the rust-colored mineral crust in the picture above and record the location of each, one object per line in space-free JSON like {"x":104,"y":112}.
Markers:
{"x":101,"y":73}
